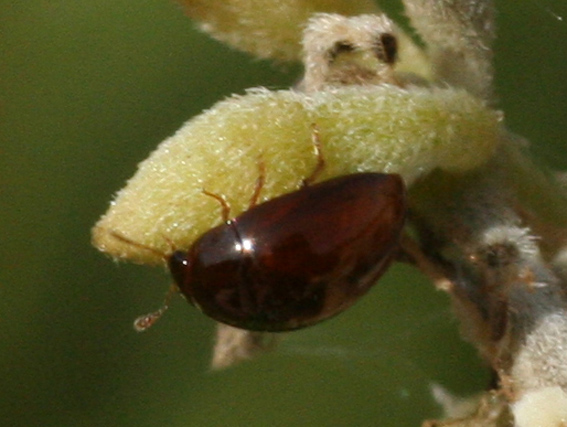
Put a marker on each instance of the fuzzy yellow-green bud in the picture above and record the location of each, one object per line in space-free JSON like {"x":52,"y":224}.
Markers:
{"x":362,"y":128}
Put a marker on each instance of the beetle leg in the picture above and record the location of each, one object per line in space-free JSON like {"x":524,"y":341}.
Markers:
{"x":316,"y":140}
{"x":223,"y":202}
{"x":259,"y":183}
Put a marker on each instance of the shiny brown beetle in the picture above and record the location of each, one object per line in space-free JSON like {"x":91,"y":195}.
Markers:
{"x":297,"y":259}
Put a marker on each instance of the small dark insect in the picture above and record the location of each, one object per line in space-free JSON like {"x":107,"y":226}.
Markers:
{"x":294,"y":260}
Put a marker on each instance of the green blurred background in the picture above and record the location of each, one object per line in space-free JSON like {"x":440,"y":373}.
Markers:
{"x":87,"y":90}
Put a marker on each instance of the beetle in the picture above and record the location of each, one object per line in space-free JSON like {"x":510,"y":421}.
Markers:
{"x":296,"y":259}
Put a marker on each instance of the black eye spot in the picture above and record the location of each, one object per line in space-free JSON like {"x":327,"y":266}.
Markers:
{"x":387,"y":48}
{"x":341,"y":47}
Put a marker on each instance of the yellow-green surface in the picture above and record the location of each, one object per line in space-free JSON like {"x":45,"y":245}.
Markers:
{"x":359,"y":129}
{"x":87,"y":90}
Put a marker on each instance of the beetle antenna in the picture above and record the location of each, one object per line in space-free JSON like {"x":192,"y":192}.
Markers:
{"x":146,"y":321}
{"x":223,"y":202}
{"x":129,"y":241}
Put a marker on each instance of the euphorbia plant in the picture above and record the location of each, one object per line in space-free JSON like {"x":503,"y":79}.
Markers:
{"x":483,"y":222}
